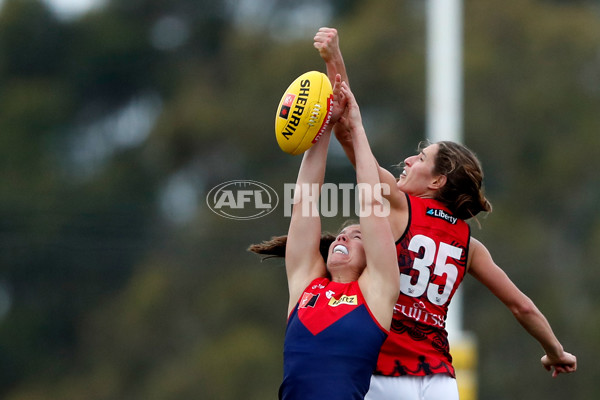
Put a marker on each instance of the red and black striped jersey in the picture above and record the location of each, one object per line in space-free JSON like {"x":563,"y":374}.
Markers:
{"x":432,"y":257}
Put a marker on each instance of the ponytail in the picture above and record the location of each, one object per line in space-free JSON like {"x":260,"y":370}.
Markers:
{"x":463,"y":192}
{"x":276,"y":246}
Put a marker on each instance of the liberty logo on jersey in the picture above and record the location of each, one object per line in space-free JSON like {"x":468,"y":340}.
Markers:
{"x":441,"y":214}
{"x":350,"y":300}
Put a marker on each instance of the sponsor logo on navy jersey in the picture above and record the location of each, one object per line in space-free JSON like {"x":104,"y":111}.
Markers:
{"x":308,"y":300}
{"x":350,"y":300}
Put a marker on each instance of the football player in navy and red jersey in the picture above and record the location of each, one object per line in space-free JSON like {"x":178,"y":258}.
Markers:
{"x":439,"y":188}
{"x":340,"y":309}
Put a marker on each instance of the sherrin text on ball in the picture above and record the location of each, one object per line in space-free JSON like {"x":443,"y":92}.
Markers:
{"x":304,"y":112}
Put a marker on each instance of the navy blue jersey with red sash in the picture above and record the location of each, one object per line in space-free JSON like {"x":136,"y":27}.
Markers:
{"x":331,"y":344}
{"x":432,"y":257}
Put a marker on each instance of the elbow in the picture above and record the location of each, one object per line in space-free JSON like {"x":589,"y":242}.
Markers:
{"x":522,"y":309}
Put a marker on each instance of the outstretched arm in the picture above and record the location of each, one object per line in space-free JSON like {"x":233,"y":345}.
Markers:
{"x":483,"y":268}
{"x":303,"y":258}
{"x":380,"y":280}
{"x":327,"y":42}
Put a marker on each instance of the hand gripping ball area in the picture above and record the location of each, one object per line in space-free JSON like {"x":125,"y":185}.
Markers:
{"x":304,"y":112}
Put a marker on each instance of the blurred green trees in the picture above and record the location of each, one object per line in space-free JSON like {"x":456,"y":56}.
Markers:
{"x":116,"y":280}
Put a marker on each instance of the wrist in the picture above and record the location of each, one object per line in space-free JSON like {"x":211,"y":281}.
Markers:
{"x":334,"y":60}
{"x":555,"y":351}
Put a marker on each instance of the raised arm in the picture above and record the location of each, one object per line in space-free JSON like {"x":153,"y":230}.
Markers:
{"x":327,"y":42}
{"x":483,"y":268}
{"x":380,"y":280}
{"x":303,"y":258}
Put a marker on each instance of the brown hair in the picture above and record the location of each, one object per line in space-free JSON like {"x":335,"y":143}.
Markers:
{"x":276,"y":246}
{"x":463,"y":192}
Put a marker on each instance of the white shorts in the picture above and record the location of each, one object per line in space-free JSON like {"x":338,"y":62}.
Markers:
{"x":428,"y":387}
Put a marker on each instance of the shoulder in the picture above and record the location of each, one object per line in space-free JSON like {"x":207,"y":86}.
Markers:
{"x":478,"y":255}
{"x":400,"y":211}
{"x":476,"y":246}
